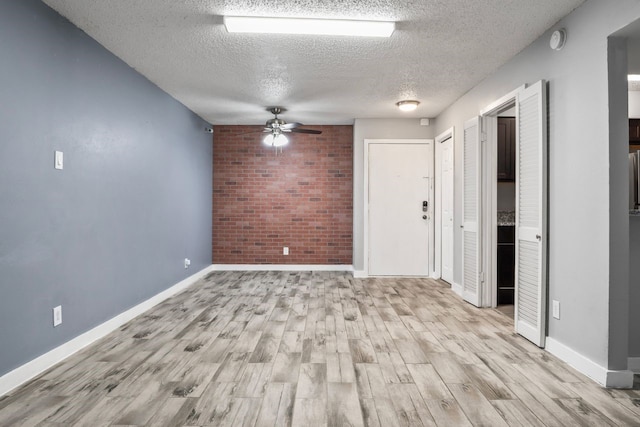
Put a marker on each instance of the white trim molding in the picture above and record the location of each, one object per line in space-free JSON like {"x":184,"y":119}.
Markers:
{"x":600,"y":374}
{"x":499,"y":104}
{"x":281,"y":267}
{"x":457,"y":288}
{"x":360,"y":274}
{"x":29,"y":370}
{"x":634,"y":364}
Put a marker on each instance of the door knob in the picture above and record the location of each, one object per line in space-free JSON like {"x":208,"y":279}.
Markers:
{"x":424,"y":217}
{"x":539,"y":237}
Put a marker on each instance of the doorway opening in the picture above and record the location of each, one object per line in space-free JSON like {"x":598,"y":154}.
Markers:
{"x":506,"y":210}
{"x":529,"y":171}
{"x":444,"y":205}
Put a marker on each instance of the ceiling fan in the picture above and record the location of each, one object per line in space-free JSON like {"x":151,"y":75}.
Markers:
{"x":276,"y":128}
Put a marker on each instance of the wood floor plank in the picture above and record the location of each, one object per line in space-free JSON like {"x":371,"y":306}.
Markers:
{"x":286,"y":368}
{"x":343,"y":405}
{"x":546,"y":408}
{"x":516,"y":414}
{"x":447,"y":412}
{"x":309,"y":412}
{"x":312,"y":382}
{"x":144,"y":406}
{"x":611,"y":408}
{"x":410,"y":351}
{"x":448,"y":368}
{"x":173,"y":412}
{"x":254,"y":380}
{"x":487,"y":382}
{"x":409,"y":405}
{"x":362,"y":351}
{"x":369,"y":413}
{"x":315,"y":348}
{"x":585,"y":413}
{"x":428,"y":382}
{"x":476,"y":407}
{"x":386,"y":413}
{"x":269,"y":408}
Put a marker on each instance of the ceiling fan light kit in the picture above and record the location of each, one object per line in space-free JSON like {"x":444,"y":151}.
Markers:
{"x":276,"y":129}
{"x":275,"y":140}
{"x":324,"y":27}
{"x":408,"y":105}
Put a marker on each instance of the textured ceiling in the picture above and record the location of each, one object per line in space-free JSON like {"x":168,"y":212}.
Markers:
{"x":440,"y":50}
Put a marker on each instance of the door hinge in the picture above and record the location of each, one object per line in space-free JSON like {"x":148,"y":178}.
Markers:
{"x":483,"y":136}
{"x":481,"y":277}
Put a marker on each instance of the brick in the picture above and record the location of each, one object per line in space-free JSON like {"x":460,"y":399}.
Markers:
{"x":301,"y":198}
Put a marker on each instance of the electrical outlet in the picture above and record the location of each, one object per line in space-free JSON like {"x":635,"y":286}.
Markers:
{"x":57,"y":315}
{"x":555,"y":309}
{"x":187,"y":262}
{"x":285,"y":250}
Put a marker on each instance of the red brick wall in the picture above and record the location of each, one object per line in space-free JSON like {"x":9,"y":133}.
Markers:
{"x":302,"y":198}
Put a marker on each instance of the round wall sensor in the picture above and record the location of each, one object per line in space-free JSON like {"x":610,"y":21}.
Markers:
{"x":558,"y":39}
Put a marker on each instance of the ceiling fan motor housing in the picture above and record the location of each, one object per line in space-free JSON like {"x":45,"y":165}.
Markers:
{"x":275,"y":123}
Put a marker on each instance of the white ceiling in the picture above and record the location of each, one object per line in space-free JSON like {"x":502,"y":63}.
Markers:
{"x":440,"y":50}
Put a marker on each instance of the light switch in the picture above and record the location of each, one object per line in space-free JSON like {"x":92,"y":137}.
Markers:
{"x":555,"y":309}
{"x":57,"y":315}
{"x":59,"y":160}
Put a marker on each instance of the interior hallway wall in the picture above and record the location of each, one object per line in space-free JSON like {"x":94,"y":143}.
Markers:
{"x":579,"y":173}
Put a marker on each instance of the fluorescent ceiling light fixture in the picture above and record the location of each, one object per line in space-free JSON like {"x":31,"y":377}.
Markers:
{"x":275,"y":140}
{"x":326,"y":27}
{"x":408,"y":105}
{"x":634,"y":77}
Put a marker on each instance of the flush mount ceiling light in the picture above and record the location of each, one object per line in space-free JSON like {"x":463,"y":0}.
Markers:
{"x":408,"y":105}
{"x":633,"y":77}
{"x":326,"y":27}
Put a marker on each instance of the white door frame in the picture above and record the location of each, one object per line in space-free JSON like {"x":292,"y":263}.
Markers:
{"x":447,"y":134}
{"x":367,"y":143}
{"x":489,"y":116}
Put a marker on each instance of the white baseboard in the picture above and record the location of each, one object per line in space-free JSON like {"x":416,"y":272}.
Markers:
{"x":457,"y":288}
{"x":24,"y":373}
{"x":360,"y":274}
{"x":600,"y":374}
{"x":634,"y":364}
{"x":281,"y":267}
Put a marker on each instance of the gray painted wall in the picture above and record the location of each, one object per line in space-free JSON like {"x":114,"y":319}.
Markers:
{"x":134,"y":199}
{"x":375,"y":129}
{"x":579,"y":170}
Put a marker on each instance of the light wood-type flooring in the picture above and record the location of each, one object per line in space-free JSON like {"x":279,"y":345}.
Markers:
{"x":311,"y":349}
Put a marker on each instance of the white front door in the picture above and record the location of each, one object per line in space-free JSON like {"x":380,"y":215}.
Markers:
{"x":447,"y":209}
{"x":399,"y":181}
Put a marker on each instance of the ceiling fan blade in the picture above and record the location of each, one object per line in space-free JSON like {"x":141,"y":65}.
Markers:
{"x":310,"y":131}
{"x":291,"y":125}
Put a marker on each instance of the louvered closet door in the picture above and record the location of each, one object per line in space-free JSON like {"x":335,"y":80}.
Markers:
{"x":531,"y":233}
{"x":471,"y":284}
